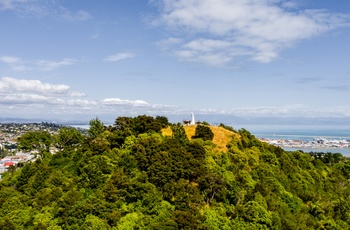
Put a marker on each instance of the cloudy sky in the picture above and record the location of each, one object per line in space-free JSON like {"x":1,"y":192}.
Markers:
{"x":79,"y":59}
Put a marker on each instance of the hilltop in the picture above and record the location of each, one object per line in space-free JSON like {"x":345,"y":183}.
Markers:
{"x":221,"y":138}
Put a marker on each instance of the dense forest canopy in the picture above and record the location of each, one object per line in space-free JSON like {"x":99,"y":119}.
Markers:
{"x":131,"y":176}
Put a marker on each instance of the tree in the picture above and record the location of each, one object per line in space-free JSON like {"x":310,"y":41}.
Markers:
{"x":35,"y":140}
{"x":204,"y":132}
{"x":254,"y":212}
{"x":145,"y":124}
{"x":211,"y":184}
{"x":124,"y":123}
{"x":93,"y":222}
{"x":163,"y":121}
{"x":229,"y":128}
{"x":179,"y":133}
{"x":68,"y":137}
{"x":141,"y":124}
{"x":96,"y":127}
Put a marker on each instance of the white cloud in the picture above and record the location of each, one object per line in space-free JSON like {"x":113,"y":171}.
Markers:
{"x":79,"y":102}
{"x":76,"y":94}
{"x":80,"y":15}
{"x":119,"y":57}
{"x":17,"y":64}
{"x":27,"y":98}
{"x":47,"y":65}
{"x":34,"y":97}
{"x":169,"y":42}
{"x":118,"y":101}
{"x":10,"y":4}
{"x":19,"y":90}
{"x":207,"y":45}
{"x":30,"y":97}
{"x":292,"y":110}
{"x":10,"y":60}
{"x":11,"y":85}
{"x":43,"y":9}
{"x":261,"y":29}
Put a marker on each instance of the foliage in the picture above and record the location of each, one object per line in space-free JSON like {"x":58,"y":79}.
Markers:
{"x":227,"y":127}
{"x":141,"y":124}
{"x":163,"y":121}
{"x":179,"y":133}
{"x":68,"y":138}
{"x":96,"y":127}
{"x":35,"y":140}
{"x":204,"y":123}
{"x":204,"y":132}
{"x":130,"y":176}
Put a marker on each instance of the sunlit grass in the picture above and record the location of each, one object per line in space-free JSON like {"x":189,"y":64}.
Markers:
{"x":221,"y":136}
{"x":167,"y":131}
{"x":190,"y":131}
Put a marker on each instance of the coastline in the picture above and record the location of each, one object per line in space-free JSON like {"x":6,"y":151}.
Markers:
{"x":344,"y":151}
{"x":307,"y":138}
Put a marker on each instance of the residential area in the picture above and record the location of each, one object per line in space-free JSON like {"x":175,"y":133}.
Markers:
{"x":9,"y":133}
{"x":316,"y":143}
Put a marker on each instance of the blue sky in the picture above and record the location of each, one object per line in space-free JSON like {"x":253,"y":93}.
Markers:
{"x":63,"y":59}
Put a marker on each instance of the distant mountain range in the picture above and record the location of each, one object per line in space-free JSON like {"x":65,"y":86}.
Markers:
{"x":229,"y":119}
{"x":39,"y":120}
{"x":211,"y":118}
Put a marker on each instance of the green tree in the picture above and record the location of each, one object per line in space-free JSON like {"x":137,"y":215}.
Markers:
{"x":93,"y":222}
{"x":163,"y":121}
{"x":145,"y":124}
{"x":68,"y":138}
{"x":124,"y":124}
{"x":204,"y":132}
{"x":35,"y":140}
{"x":227,"y":127}
{"x":96,"y":127}
{"x":179,"y":133}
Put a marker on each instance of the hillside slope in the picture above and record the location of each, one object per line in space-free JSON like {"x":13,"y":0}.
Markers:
{"x":221,"y":136}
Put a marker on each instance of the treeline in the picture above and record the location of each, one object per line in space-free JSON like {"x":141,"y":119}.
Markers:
{"x":130,"y":176}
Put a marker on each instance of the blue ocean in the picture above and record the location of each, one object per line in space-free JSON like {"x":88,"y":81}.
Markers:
{"x":300,"y":132}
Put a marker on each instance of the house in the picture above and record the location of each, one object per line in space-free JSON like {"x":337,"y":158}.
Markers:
{"x":9,"y":163}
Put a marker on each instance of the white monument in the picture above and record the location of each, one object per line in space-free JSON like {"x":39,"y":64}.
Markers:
{"x":193,"y":122}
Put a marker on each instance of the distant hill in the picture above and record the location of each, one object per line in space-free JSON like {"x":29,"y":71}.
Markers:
{"x":5,"y":120}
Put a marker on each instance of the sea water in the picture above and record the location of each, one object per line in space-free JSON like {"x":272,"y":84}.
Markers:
{"x":301,"y":132}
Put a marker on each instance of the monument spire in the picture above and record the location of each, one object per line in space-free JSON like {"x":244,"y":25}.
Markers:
{"x":193,"y":122}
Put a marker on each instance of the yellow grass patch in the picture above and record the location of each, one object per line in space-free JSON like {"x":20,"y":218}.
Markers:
{"x":167,"y":131}
{"x":190,"y":131}
{"x":221,"y":136}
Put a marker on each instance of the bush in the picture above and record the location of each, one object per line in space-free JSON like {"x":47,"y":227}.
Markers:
{"x":204,"y":132}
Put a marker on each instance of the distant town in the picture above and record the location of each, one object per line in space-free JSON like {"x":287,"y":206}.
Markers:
{"x":316,"y":143}
{"x":9,"y":134}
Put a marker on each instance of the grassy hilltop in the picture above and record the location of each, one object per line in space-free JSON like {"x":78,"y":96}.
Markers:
{"x":221,"y":138}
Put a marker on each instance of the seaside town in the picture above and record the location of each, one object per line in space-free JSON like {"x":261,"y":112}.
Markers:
{"x":10,"y":156}
{"x":316,"y":143}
